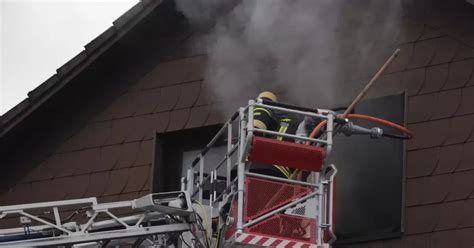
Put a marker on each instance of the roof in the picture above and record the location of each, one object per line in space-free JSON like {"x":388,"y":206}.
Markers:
{"x":74,"y":66}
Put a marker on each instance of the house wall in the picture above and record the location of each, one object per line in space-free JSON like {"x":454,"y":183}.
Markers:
{"x":110,"y":155}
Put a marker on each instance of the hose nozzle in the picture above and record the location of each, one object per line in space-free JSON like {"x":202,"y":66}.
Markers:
{"x":351,"y":129}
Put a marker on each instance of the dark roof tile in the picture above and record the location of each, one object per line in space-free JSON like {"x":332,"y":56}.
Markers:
{"x":147,"y":101}
{"x":108,"y":198}
{"x":74,"y":142}
{"x":215,"y":116}
{"x":412,"y":80}
{"x":429,"y":134}
{"x":128,"y":16}
{"x":97,"y":184}
{"x":467,"y":105}
{"x":138,"y":176}
{"x":141,"y":127}
{"x":416,"y":241}
{"x":128,"y":196}
{"x":195,"y":68}
{"x":423,"y":53}
{"x":89,"y":160}
{"x":43,"y":88}
{"x":126,"y":105}
{"x":444,"y":239}
{"x":77,"y":186}
{"x":410,"y":31}
{"x":127,"y":155}
{"x":421,"y":162}
{"x":145,"y":154}
{"x":436,"y":77}
{"x":198,"y":116}
{"x":462,"y":185}
{"x":464,"y":52}
{"x":426,"y":190}
{"x":168,"y":99}
{"x":449,"y":158}
{"x":205,"y":94}
{"x":108,"y":157}
{"x":188,"y":94}
{"x":121,"y":128}
{"x":18,"y":194}
{"x":43,"y":171}
{"x":400,"y":63}
{"x":167,"y":73}
{"x":67,"y":163}
{"x":100,"y":40}
{"x":460,"y":129}
{"x":446,"y":48}
{"x":468,"y":220}
{"x":97,"y":134}
{"x":459,"y":73}
{"x":160,"y":121}
{"x":447,"y":104}
{"x":65,"y":69}
{"x":450,"y":215}
{"x":117,"y":181}
{"x":421,"y":107}
{"x":467,"y":161}
{"x":178,"y":119}
{"x":421,"y":219}
{"x":465,"y":236}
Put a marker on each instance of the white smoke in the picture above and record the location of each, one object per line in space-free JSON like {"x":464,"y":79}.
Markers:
{"x":306,"y":50}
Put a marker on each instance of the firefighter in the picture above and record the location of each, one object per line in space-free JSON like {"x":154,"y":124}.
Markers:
{"x":267,"y":119}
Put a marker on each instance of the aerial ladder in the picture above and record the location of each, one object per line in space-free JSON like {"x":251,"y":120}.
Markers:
{"x":219,"y":205}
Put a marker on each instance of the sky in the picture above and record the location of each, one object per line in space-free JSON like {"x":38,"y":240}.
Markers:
{"x":39,"y":36}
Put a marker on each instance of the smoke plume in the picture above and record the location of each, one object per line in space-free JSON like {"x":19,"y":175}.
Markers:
{"x":306,"y":50}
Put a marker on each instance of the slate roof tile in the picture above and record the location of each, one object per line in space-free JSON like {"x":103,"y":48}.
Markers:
{"x":421,"y":107}
{"x":141,"y":127}
{"x":167,"y":73}
{"x":127,"y":155}
{"x":460,"y":129}
{"x":412,"y":80}
{"x":188,"y":94}
{"x":467,"y":104}
{"x":421,"y":162}
{"x":70,"y":162}
{"x":402,"y":60}
{"x":215,"y":116}
{"x":108,"y":158}
{"x":462,"y":186}
{"x":97,"y":134}
{"x":145,"y":153}
{"x":446,"y":48}
{"x":449,"y":158}
{"x":198,"y":116}
{"x":467,"y":161}
{"x":450,"y":215}
{"x":125,"y":106}
{"x":77,"y":186}
{"x":423,"y":53}
{"x":416,"y":241}
{"x":195,"y":68}
{"x":464,"y":52}
{"x":97,"y":184}
{"x":61,"y":164}
{"x":459,"y":74}
{"x":411,"y":31}
{"x":147,"y":101}
{"x":429,"y":134}
{"x":443,"y":239}
{"x":205,"y":94}
{"x":465,"y":237}
{"x":121,"y":128}
{"x":168,"y":99}
{"x":421,"y":219}
{"x":436,"y":77}
{"x":42,"y":171}
{"x":427,"y":190}
{"x":468,"y":218}
{"x":178,"y":119}
{"x":128,"y":196}
{"x":19,"y":194}
{"x":88,"y":160}
{"x":138,"y":176}
{"x":117,"y":181}
{"x":447,"y":103}
{"x":160,"y":121}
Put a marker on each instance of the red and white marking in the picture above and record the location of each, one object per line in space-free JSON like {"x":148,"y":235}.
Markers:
{"x":251,"y":239}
